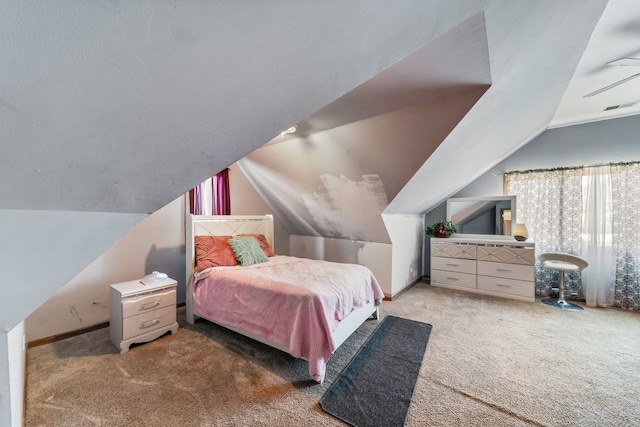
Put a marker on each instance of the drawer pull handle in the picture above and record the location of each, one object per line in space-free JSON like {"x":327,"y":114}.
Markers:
{"x":149,"y":305}
{"x":500,"y":285}
{"x":149,"y":323}
{"x":453,"y":265}
{"x":452,"y":278}
{"x":503,"y":269}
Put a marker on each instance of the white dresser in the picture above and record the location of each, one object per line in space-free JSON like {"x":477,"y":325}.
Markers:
{"x":497,"y":267}
{"x":141,"y":312}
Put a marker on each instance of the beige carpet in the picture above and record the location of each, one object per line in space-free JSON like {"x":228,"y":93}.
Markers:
{"x":490,"y":362}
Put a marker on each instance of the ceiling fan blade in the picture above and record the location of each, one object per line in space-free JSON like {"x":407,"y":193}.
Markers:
{"x":626,"y":62}
{"x":611,"y":86}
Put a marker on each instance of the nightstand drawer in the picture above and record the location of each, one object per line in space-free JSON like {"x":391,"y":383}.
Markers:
{"x":507,"y":286}
{"x":454,"y":264}
{"x":132,"y":306}
{"x":453,"y":278}
{"x":149,"y":321}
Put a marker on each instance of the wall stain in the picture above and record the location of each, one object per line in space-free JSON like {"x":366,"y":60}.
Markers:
{"x":74,"y":312}
{"x":349,"y":209}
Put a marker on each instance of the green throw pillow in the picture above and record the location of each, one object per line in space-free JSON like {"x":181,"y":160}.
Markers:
{"x":247,"y":250}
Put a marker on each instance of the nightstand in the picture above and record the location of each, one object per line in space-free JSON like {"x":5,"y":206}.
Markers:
{"x":141,"y":312}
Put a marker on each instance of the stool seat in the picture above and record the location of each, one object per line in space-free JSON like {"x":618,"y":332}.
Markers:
{"x":561,"y":265}
{"x":562,"y":262}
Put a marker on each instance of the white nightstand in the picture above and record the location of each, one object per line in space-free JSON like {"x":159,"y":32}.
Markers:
{"x":141,"y":312}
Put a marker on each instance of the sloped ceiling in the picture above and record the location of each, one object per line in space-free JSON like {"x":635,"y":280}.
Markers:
{"x":384,"y":157}
{"x":533,"y":59}
{"x":336,"y":176}
{"x":601,"y":80}
{"x":122,"y":106}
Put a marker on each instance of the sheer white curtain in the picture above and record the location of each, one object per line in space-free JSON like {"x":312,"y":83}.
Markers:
{"x":597,"y":236}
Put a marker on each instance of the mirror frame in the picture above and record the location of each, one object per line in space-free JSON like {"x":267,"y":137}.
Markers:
{"x":482,"y":199}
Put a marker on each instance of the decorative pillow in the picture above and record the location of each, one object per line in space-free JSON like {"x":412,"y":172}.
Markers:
{"x":213,"y":251}
{"x":264,"y":244}
{"x":247,"y":250}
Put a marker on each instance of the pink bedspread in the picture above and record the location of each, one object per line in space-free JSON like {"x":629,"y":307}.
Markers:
{"x":294,"y":302}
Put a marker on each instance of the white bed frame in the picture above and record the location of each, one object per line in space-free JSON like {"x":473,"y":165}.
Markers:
{"x":231,"y":225}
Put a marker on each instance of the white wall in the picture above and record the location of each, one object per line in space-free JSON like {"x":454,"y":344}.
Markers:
{"x":406,"y":233}
{"x":12,"y":374}
{"x":157,"y":243}
{"x":246,"y":201}
{"x":17,"y":352}
{"x":337,"y":183}
{"x":376,"y":256}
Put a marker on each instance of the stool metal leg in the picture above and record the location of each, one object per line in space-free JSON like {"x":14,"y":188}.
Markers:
{"x":560,"y":302}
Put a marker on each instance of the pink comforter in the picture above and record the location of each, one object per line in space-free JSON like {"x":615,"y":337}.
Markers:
{"x":293,"y":302}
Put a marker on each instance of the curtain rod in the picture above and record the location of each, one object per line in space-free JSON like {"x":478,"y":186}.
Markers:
{"x":573,"y":167}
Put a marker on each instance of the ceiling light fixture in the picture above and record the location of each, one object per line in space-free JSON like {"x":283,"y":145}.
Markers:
{"x":291,"y":130}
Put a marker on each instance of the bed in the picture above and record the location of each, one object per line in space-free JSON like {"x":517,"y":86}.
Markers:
{"x":306,"y":308}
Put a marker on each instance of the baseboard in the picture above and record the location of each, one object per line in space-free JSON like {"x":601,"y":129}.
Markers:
{"x":65,"y":335}
{"x":403,"y":290}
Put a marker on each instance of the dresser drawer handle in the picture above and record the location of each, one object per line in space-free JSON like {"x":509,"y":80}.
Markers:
{"x":149,"y":323}
{"x":149,"y":305}
{"x":500,"y":285}
{"x":452,"y":278}
{"x":503,"y":269}
{"x":453,"y":265}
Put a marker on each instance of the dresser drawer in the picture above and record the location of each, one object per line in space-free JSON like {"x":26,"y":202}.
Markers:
{"x":145,"y":322}
{"x":134,"y":305}
{"x":508,"y":271}
{"x":454,"y":264}
{"x":453,"y":250}
{"x":507,"y":254}
{"x":452,"y":278}
{"x":507,"y":286}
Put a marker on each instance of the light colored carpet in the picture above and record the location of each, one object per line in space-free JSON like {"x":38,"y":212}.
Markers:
{"x":489,"y":362}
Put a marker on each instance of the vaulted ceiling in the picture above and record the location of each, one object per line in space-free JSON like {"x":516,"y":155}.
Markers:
{"x":110,"y":110}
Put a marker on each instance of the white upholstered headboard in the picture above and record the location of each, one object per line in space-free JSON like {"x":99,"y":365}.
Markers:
{"x":223,"y":225}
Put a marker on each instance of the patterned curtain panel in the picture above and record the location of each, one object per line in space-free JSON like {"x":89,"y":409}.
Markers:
{"x":560,"y":218}
{"x":550,"y":204}
{"x":625,"y":182}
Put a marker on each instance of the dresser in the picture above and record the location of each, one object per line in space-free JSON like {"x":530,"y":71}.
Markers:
{"x":504,"y":268}
{"x":141,"y":312}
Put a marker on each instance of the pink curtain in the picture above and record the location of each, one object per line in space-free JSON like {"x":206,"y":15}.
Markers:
{"x":196,"y":199}
{"x":221,"y":204}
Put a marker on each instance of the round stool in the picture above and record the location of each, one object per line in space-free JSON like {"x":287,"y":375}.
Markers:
{"x":562,"y":262}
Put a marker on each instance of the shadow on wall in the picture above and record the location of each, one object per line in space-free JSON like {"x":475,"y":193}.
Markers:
{"x":171,"y":261}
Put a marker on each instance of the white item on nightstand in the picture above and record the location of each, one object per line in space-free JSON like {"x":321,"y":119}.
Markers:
{"x":141,"y":311}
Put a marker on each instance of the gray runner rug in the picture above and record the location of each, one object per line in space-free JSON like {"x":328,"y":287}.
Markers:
{"x":376,"y":387}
